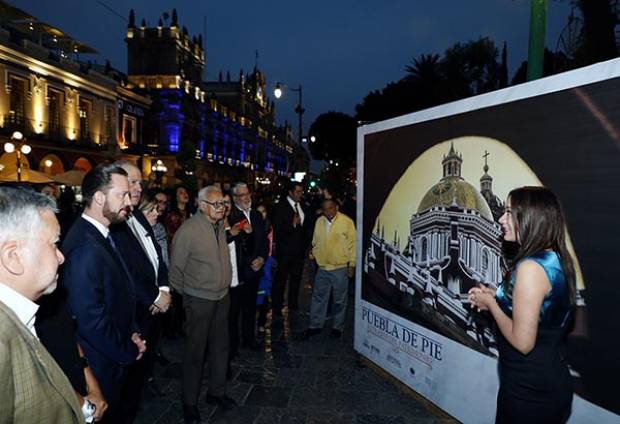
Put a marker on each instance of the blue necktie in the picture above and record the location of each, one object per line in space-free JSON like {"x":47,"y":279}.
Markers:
{"x":118,"y":255}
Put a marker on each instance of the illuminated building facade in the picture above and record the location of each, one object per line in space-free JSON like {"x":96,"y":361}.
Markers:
{"x":71,"y":113}
{"x":222,"y":131}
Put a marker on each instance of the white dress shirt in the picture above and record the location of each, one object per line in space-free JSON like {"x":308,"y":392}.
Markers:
{"x":24,"y":308}
{"x":148,"y":245}
{"x":328,"y":225}
{"x":98,"y":225}
{"x":246,"y":213}
{"x":145,"y":240}
{"x":299,"y":208}
{"x":234,"y":281}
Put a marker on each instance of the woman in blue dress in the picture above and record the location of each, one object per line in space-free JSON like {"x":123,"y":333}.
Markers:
{"x":532,"y":309}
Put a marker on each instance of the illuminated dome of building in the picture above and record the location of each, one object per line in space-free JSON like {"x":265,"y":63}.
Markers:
{"x":453,"y":190}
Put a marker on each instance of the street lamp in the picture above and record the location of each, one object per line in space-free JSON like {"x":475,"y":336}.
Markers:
{"x":279,"y":91}
{"x":48,"y":166}
{"x":19,"y":146}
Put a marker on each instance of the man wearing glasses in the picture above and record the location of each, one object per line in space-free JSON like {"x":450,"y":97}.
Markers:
{"x":249,"y":231}
{"x":200,"y":270}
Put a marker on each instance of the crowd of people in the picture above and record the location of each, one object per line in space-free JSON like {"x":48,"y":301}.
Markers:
{"x":85,"y":295}
{"x":88,"y":291}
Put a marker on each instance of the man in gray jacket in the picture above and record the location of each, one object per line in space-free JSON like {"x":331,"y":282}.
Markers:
{"x":200,"y":269}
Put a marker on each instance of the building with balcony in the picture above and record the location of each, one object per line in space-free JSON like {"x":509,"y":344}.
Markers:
{"x":73,"y":114}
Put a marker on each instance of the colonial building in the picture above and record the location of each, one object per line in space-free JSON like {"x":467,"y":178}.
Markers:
{"x":71,"y":114}
{"x":219,"y":131}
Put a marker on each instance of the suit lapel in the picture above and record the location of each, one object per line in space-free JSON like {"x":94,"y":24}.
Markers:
{"x":45,"y":363}
{"x":98,"y":237}
{"x":145,"y":223}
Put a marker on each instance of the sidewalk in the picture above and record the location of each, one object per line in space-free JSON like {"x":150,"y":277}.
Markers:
{"x":314,"y":381}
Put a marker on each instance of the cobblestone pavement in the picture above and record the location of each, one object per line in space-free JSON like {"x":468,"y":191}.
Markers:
{"x":321,"y":380}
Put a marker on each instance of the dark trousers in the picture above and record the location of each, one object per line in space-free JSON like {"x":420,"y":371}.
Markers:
{"x":140,"y":371}
{"x":174,"y":319}
{"x":289,"y":269}
{"x":242,"y":305}
{"x":206,"y":329}
{"x":111,"y":378}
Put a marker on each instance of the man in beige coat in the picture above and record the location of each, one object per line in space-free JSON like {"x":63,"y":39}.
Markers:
{"x":33,"y":388}
{"x":200,"y":269}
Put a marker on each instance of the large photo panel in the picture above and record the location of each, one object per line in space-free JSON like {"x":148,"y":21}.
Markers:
{"x":432,"y":188}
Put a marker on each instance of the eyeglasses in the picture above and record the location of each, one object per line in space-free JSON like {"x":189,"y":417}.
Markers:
{"x":216,"y":205}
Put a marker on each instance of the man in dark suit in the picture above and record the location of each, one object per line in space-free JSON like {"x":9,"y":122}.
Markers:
{"x":291,"y":226}
{"x":249,"y":232}
{"x":135,"y":240}
{"x":101,"y":293}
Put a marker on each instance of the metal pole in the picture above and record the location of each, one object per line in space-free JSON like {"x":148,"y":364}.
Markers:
{"x":301,"y":112}
{"x":536,"y":51}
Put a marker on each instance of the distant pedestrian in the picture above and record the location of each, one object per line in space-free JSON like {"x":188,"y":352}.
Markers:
{"x":292,"y":228}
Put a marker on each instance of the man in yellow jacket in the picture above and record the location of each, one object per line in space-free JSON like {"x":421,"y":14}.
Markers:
{"x":333,"y":247}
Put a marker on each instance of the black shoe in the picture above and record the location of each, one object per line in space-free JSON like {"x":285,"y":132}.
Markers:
{"x":191,"y":415}
{"x":224,"y":402}
{"x":335,"y":334}
{"x":253,"y":345}
{"x":309,"y":332}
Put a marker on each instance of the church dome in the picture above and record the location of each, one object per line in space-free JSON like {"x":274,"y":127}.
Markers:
{"x":454,"y":188}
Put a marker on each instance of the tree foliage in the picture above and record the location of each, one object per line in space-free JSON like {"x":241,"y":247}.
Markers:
{"x":598,"y":36}
{"x":465,"y":69}
{"x":335,"y":135}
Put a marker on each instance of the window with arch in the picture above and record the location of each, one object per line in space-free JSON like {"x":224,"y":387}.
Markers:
{"x":485,"y":261}
{"x":424,"y":249}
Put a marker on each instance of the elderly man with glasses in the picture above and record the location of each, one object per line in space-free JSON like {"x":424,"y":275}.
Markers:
{"x":200,"y":269}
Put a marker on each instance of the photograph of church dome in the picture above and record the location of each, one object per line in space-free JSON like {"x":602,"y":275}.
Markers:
{"x":446,"y":238}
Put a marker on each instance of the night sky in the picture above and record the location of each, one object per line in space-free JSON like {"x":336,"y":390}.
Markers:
{"x":338,"y":50}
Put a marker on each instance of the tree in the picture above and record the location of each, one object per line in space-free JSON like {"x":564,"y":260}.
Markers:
{"x":465,"y":70}
{"x":471,"y":68}
{"x":426,"y":76}
{"x":599,"y":31}
{"x":335,"y":135}
{"x":590,"y":33}
{"x":426,"y":68}
{"x":553,"y":63}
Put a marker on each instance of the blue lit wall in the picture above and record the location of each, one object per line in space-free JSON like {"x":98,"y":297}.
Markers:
{"x":172,"y":119}
{"x":173,"y":133}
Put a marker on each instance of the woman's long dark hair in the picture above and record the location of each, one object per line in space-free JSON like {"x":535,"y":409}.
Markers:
{"x":539,"y":224}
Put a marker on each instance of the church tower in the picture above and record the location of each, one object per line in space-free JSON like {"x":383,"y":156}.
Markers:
{"x":486,"y":189}
{"x":486,"y":181}
{"x":452,"y":163}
